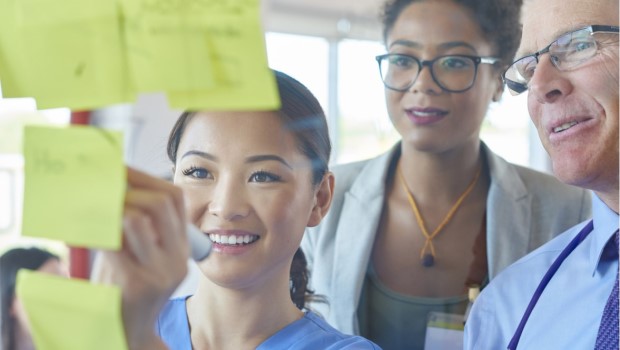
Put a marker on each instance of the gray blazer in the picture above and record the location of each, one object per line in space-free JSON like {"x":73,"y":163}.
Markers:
{"x":525,"y":209}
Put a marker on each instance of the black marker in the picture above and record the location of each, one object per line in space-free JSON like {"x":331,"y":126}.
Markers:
{"x":199,"y":243}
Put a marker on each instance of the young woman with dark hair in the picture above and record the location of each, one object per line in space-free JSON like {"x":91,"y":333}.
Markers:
{"x":253,"y":181}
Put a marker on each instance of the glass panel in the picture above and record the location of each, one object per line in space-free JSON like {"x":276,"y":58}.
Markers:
{"x":365,"y":129}
{"x":505,"y":129}
{"x":305,"y":58}
{"x":7,"y":213}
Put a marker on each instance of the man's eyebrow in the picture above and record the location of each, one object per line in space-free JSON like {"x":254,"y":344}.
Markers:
{"x":265,"y":157}
{"x":555,"y":36}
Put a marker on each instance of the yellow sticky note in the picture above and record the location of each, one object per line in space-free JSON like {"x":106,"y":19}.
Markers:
{"x":235,"y":38}
{"x":166,"y":45}
{"x":63,"y":53}
{"x":75,"y":183}
{"x":71,"y":314}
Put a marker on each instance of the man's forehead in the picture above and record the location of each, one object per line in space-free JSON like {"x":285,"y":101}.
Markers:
{"x":545,"y":20}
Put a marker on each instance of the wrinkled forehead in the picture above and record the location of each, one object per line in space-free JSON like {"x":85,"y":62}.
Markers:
{"x":545,"y":20}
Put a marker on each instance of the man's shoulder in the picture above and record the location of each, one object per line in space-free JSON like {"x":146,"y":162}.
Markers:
{"x":517,"y":282}
{"x":538,"y":261}
{"x":499,"y":308}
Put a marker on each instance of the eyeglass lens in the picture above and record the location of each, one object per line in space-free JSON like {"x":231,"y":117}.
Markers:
{"x":452,"y":73}
{"x":566,"y":52}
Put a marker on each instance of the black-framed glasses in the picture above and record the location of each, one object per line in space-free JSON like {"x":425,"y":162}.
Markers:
{"x":568,"y":51}
{"x":453,"y":73}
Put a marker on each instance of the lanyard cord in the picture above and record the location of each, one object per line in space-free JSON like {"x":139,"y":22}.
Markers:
{"x":543,"y":284}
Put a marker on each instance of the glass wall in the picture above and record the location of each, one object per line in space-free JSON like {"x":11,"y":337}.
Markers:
{"x":303,"y":57}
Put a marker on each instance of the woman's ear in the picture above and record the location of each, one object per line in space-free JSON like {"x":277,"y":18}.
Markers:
{"x":497,"y":95}
{"x":322,"y":199}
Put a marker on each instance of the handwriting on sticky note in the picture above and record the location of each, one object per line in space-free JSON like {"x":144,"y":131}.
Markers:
{"x":166,"y":46}
{"x":71,"y":314}
{"x":63,"y":53}
{"x":205,"y":54}
{"x":239,"y":61}
{"x":74,"y":185}
{"x":221,"y":7}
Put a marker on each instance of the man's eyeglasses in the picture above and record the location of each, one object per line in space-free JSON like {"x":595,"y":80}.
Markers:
{"x":567,"y":52}
{"x":453,"y":73}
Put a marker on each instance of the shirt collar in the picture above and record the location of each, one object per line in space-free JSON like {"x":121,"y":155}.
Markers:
{"x":605,"y":225}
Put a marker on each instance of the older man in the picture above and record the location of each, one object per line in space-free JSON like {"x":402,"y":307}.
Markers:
{"x":565,"y":294}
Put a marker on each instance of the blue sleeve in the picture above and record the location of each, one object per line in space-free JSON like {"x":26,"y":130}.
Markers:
{"x":481,"y":332}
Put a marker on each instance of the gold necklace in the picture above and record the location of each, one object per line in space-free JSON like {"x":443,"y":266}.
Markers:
{"x":428,"y":260}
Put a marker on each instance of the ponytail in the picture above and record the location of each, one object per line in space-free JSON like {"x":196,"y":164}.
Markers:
{"x":300,"y":293}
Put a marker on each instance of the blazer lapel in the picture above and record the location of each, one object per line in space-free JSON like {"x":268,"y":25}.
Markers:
{"x":360,"y":216}
{"x":508,"y":214}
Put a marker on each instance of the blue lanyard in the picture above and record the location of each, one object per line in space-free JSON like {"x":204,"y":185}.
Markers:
{"x":541,"y":287}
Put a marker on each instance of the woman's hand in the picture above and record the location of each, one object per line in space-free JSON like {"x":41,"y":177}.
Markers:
{"x":153,"y":258}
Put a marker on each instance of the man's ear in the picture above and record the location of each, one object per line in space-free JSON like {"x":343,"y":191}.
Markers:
{"x":13,"y":306}
{"x":322,"y":199}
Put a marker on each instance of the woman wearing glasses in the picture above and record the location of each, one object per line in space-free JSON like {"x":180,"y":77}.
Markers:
{"x":412,"y":231}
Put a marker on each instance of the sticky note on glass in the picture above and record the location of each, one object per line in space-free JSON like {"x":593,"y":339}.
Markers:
{"x":71,"y":314}
{"x":233,"y":35}
{"x":74,"y":185}
{"x":166,"y":45}
{"x":63,"y":53}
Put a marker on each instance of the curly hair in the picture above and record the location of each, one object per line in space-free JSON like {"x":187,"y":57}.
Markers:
{"x":499,"y":21}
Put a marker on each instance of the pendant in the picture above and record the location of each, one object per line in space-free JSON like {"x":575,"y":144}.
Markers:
{"x":428,"y":260}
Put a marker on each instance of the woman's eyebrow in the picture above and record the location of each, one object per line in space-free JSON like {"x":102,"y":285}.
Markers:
{"x":407,"y":43}
{"x":201,"y":154}
{"x":453,"y":44}
{"x":443,"y":46}
{"x":264,"y":157}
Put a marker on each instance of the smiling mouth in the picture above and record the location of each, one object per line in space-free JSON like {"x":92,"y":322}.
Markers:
{"x":564,"y":126}
{"x":426,"y":112}
{"x":233,"y":239}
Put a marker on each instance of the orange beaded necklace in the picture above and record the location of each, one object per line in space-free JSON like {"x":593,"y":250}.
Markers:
{"x":428,"y":259}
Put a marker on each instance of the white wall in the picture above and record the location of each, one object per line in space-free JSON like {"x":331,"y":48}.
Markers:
{"x":146,"y":124}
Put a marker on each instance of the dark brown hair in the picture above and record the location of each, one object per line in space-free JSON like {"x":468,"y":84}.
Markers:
{"x":498,"y":19}
{"x":10,"y":263}
{"x":303,"y":116}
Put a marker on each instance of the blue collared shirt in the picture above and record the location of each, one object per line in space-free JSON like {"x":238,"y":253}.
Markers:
{"x":308,"y":333}
{"x":568,"y":313}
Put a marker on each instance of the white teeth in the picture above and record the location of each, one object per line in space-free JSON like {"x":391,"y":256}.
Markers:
{"x":564,"y":126}
{"x":425,"y":114}
{"x":232,"y":239}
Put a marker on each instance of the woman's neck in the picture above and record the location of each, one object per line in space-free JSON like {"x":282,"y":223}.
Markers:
{"x":225,"y":318}
{"x":442,"y":176}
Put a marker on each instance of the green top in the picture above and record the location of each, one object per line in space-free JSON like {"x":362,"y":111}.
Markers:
{"x":396,"y":321}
